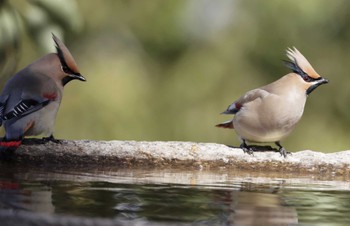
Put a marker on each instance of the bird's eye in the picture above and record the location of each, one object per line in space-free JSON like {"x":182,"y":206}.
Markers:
{"x":65,"y":69}
{"x":308,"y":78}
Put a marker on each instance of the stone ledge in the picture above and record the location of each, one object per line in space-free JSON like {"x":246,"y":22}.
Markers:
{"x":178,"y":154}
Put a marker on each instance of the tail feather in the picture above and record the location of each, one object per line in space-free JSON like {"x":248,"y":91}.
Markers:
{"x":226,"y":125}
{"x":9,"y":144}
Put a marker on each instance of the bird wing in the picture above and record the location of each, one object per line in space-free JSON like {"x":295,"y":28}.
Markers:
{"x":3,"y":100}
{"x":253,"y":95}
{"x":24,"y":107}
{"x":246,"y":98}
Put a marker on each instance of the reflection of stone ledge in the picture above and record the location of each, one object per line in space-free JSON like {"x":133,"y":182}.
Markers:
{"x":25,"y":218}
{"x":180,"y":154}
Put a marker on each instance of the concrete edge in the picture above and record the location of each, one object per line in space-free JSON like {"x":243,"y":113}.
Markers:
{"x":177,"y":154}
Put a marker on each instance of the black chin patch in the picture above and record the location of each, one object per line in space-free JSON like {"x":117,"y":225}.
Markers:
{"x":314,"y":86}
{"x":66,"y":79}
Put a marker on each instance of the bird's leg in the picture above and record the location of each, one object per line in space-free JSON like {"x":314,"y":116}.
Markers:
{"x":246,"y":148}
{"x":51,"y":138}
{"x":282,"y":150}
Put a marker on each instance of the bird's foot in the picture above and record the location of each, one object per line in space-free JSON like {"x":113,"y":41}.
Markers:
{"x":51,"y":138}
{"x":284,"y":152}
{"x":247,"y":149}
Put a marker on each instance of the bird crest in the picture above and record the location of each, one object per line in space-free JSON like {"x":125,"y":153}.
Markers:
{"x":299,"y":64}
{"x":65,"y":56}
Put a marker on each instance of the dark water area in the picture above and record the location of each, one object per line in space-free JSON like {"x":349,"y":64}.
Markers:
{"x":169,"y":197}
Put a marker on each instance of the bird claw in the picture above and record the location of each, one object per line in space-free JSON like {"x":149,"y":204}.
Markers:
{"x":39,"y":141}
{"x":51,"y":139}
{"x":248,"y":150}
{"x":284,"y":152}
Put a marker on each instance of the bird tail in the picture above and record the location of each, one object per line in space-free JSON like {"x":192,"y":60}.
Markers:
{"x":9,"y":145}
{"x":226,"y":125}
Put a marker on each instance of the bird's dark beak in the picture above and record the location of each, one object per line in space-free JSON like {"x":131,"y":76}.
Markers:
{"x":71,"y":77}
{"x":320,"y":81}
{"x":79,"y":77}
{"x":323,"y":81}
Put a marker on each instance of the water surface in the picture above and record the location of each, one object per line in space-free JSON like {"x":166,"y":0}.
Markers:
{"x":174,"y":196}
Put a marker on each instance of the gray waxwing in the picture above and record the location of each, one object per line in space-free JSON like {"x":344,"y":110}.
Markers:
{"x":30,"y":99}
{"x":269,"y":113}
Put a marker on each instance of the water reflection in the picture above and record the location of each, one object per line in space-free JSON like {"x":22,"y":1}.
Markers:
{"x":174,"y":197}
{"x":251,"y":208}
{"x":24,"y":195}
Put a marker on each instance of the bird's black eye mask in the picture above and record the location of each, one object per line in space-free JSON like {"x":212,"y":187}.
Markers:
{"x":296,"y":69}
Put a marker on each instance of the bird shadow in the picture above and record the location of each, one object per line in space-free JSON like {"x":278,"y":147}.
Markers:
{"x":258,"y":148}
{"x":38,"y":141}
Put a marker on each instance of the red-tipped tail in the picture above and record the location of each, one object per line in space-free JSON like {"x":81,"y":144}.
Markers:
{"x":226,"y":125}
{"x":10,"y":145}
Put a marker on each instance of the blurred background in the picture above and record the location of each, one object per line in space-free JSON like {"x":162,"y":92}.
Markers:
{"x":164,"y":70}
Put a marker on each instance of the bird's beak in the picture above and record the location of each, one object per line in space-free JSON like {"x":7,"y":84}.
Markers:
{"x":323,"y":81}
{"x":316,"y":84}
{"x":79,"y":77}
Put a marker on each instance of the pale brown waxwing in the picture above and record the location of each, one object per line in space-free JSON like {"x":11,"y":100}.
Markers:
{"x":269,"y":113}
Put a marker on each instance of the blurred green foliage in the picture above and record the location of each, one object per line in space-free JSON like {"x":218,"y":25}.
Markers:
{"x":164,"y":70}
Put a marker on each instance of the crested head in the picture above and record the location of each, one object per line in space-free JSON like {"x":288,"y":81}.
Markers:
{"x":68,"y":64}
{"x":65,"y":56}
{"x":300,"y":65}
